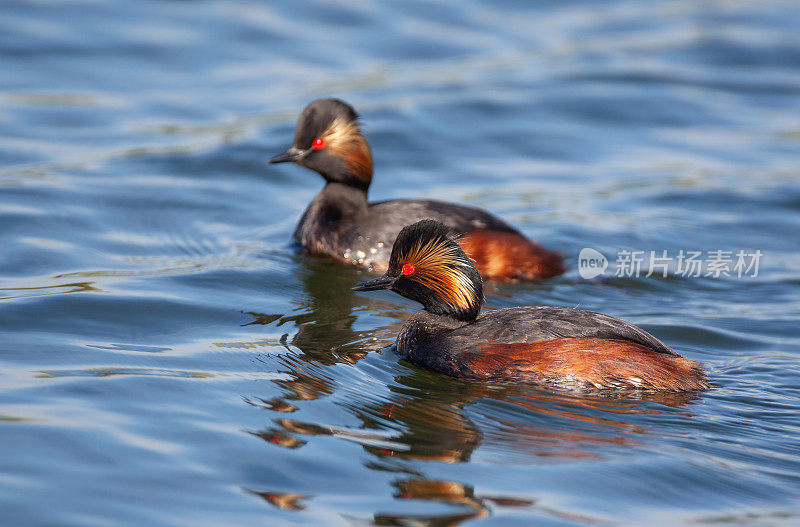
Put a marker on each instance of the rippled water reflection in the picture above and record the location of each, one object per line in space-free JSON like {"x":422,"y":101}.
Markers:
{"x":167,"y":358}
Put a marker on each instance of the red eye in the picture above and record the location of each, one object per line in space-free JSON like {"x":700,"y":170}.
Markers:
{"x":318,"y":143}
{"x":408,"y":269}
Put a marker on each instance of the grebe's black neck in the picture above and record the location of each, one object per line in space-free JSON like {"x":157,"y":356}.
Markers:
{"x":421,"y":328}
{"x":335,"y":206}
{"x":436,"y":321}
{"x":347,"y":196}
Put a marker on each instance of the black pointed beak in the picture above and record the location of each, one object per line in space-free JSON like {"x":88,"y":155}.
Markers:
{"x":290,"y":156}
{"x":384,"y":282}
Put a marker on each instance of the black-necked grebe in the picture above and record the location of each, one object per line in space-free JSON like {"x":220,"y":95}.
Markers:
{"x":558,"y":347}
{"x":340,"y":224}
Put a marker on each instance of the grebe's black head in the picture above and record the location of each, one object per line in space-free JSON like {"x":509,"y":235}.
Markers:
{"x":429,"y":267}
{"x":327,"y":139}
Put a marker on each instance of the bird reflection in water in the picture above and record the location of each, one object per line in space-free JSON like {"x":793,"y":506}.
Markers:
{"x":283,"y":500}
{"x":324,"y":337}
{"x":429,"y":417}
{"x":440,"y":425}
{"x":325,"y":318}
{"x":454,"y":493}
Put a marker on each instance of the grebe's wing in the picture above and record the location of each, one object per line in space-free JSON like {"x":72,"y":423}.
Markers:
{"x":459,"y":218}
{"x":544,"y":323}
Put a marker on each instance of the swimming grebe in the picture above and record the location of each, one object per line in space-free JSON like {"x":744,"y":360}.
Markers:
{"x":558,"y":347}
{"x":339,"y":223}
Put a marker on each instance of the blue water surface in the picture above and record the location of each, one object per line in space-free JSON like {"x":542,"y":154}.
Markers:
{"x":167,"y":358}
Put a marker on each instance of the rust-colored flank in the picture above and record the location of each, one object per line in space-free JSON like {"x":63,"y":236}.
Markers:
{"x":576,"y":363}
{"x":509,"y":256}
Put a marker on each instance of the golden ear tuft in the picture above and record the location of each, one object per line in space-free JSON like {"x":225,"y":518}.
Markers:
{"x":439,"y":264}
{"x":340,"y":131}
{"x":344,"y":139}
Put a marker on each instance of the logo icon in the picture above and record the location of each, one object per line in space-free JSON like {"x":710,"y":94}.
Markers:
{"x":591,"y":263}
